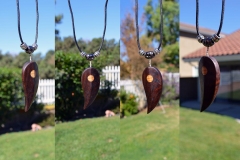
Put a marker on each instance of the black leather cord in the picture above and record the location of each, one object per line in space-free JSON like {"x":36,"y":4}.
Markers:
{"x":221,"y":21}
{"x":37,"y":19}
{"x":161,"y":25}
{"x":104,"y":30}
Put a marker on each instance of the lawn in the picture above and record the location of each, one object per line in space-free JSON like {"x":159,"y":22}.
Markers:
{"x":28,"y":145}
{"x":151,"y":136}
{"x":207,"y":136}
{"x":88,"y":139}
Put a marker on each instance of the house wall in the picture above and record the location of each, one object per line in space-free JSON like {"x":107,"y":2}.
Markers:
{"x":188,"y":43}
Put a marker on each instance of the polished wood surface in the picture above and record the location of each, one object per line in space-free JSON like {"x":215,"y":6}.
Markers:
{"x":90,"y":83}
{"x":209,"y":74}
{"x":152,"y":82}
{"x":30,"y":80}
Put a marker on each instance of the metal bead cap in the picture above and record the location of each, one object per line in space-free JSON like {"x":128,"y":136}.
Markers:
{"x":96,"y":54}
{"x":157,"y":51}
{"x":200,"y":38}
{"x":24,"y":46}
{"x":216,"y":38}
{"x":83,"y":54}
{"x":142,"y":52}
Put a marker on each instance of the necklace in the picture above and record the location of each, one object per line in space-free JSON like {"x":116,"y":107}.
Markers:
{"x":90,"y":78}
{"x":151,"y":77}
{"x":209,"y":71}
{"x":30,"y":75}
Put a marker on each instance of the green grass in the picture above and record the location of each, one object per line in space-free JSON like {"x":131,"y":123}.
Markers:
{"x":88,"y":139}
{"x":150,"y":137}
{"x":28,"y":145}
{"x":207,"y":136}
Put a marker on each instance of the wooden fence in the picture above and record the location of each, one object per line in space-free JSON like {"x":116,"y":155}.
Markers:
{"x":46,"y":91}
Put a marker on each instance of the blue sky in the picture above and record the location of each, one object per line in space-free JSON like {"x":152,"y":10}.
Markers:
{"x":210,"y":12}
{"x":89,"y":18}
{"x":128,"y":5}
{"x":10,"y":41}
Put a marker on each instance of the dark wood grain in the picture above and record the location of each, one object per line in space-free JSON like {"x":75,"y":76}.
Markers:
{"x":209,"y":74}
{"x":90,"y":83}
{"x":152,"y":82}
{"x":30,"y":80}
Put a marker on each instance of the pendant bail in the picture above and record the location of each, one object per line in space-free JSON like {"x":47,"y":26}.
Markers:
{"x":90,"y":64}
{"x":207,"y":51}
{"x":30,"y":57}
{"x":150,"y":63}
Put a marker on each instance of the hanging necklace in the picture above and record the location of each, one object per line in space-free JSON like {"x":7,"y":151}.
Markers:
{"x":151,"y":77}
{"x":90,"y":77}
{"x":209,"y":71}
{"x":30,"y":75}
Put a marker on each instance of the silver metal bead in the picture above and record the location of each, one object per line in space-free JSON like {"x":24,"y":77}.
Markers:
{"x":215,"y":38}
{"x":157,"y":51}
{"x":96,"y":54}
{"x":83,"y":54}
{"x":24,"y":46}
{"x":142,"y":52}
{"x":35,"y":46}
{"x":200,"y":38}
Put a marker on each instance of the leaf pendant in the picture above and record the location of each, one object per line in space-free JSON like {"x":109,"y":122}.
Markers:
{"x":90,"y":83}
{"x":209,"y":74}
{"x":152,"y":82}
{"x":30,"y":80}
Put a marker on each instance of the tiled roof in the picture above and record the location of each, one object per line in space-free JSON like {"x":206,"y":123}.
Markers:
{"x":230,"y":45}
{"x":191,"y":28}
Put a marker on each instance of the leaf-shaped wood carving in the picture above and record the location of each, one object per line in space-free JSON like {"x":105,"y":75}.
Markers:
{"x":90,"y":84}
{"x":30,"y":79}
{"x":152,"y":82}
{"x":209,"y":74}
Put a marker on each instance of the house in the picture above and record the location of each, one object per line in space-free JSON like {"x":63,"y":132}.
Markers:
{"x":226,"y":52}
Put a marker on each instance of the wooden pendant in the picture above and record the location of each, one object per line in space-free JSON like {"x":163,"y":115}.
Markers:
{"x":30,"y":79}
{"x":152,"y":82}
{"x":90,"y":84}
{"x":209,"y":74}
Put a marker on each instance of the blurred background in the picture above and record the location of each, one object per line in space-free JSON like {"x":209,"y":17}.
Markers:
{"x":92,"y":133}
{"x":41,"y":115}
{"x":213,"y":134}
{"x":154,"y":136}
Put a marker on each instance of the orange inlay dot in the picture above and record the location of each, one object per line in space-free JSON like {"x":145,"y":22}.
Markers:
{"x":149,"y":78}
{"x":90,"y":78}
{"x":33,"y":73}
{"x":204,"y":70}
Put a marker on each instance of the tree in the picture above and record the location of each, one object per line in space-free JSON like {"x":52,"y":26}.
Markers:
{"x":170,"y":28}
{"x":58,"y":20}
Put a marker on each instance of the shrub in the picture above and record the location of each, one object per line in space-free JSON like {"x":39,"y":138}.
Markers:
{"x":68,"y":87}
{"x":11,"y":92}
{"x":128,"y":104}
